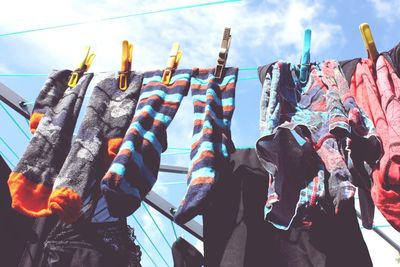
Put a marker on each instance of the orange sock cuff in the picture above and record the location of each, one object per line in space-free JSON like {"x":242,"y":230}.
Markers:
{"x":66,"y":203}
{"x":34,"y":121}
{"x":28,"y":197}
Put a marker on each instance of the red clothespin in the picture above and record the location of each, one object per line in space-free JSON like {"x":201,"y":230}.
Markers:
{"x":172,"y":64}
{"x":126,"y":64}
{"x":82,"y":68}
{"x":223,"y":53}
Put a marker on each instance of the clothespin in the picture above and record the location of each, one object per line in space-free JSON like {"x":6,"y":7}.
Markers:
{"x":369,"y":42}
{"x":126,"y":64}
{"x":223,"y":53}
{"x":173,"y":62}
{"x":82,"y":68}
{"x":305,"y":56}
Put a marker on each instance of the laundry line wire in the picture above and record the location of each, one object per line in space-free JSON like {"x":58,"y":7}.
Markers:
{"x":98,"y":73}
{"x":145,"y":252}
{"x":149,"y":238}
{"x":138,"y":14}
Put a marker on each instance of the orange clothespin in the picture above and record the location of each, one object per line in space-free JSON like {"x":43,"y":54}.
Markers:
{"x":173,"y":62}
{"x":369,"y":42}
{"x":223,"y":53}
{"x":126,"y":64}
{"x":82,"y":67}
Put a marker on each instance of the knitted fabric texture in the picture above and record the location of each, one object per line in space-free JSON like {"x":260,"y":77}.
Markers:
{"x":134,"y":170}
{"x":52,"y":122}
{"x":378,"y":96}
{"x":303,"y":144}
{"x":107,"y":118}
{"x":214,"y":102}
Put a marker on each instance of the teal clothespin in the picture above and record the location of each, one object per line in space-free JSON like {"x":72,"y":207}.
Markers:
{"x":305,"y":56}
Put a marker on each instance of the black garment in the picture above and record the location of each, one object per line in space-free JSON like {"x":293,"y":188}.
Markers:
{"x":185,"y":255}
{"x":15,"y":229}
{"x":91,"y":245}
{"x":348,"y":67}
{"x":393,"y":56}
{"x":235,"y":233}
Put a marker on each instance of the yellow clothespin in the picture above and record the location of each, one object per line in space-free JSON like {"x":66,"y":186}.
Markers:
{"x":82,"y":68}
{"x":173,"y":62}
{"x":126,"y":64}
{"x":223,"y":53}
{"x":369,"y":42}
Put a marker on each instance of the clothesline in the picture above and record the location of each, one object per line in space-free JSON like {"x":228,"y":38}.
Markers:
{"x":96,"y":73}
{"x":119,"y":17}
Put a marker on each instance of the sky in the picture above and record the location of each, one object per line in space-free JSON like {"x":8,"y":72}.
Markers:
{"x":262,"y":32}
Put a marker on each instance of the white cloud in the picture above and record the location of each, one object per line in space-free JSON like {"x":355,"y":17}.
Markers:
{"x":386,"y":9}
{"x":271,"y":30}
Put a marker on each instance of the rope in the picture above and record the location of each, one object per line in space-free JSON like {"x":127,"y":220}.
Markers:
{"x":15,"y":122}
{"x":118,"y":17}
{"x":97,"y":73}
{"x":173,"y":228}
{"x":9,"y":148}
{"x":145,"y":251}
{"x":156,"y":224}
{"x":151,"y":241}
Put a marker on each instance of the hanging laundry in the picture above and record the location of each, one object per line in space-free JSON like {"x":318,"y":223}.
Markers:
{"x":91,"y":244}
{"x":135,"y":168}
{"x":107,"y":118}
{"x":15,"y":229}
{"x":304,"y":131}
{"x":214,"y":102}
{"x":185,"y":254}
{"x":236,"y":234}
{"x":378,"y":95}
{"x":53,"y":121}
{"x":234,"y":230}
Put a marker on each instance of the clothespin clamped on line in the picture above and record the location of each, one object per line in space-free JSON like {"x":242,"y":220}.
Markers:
{"x":223,"y":53}
{"x":305,"y":56}
{"x":82,"y":68}
{"x":126,"y":64}
{"x":369,"y":42}
{"x":172,"y":64}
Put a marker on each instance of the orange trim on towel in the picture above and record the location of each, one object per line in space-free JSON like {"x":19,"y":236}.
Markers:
{"x":27,"y":197}
{"x":66,"y":203}
{"x":113,"y":146}
{"x":34,"y":121}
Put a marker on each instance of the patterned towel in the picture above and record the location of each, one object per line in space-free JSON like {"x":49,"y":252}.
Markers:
{"x":134,"y":170}
{"x":107,"y":118}
{"x":214,"y":102}
{"x":52,"y":122}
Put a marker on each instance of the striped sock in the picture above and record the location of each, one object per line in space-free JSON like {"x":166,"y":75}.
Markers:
{"x":106,"y":120}
{"x":214,"y":102}
{"x":52,"y":122}
{"x":134,"y":170}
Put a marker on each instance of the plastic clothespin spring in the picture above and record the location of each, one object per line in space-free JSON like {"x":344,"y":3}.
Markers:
{"x":82,"y":67}
{"x":126,"y":64}
{"x":173,"y":62}
{"x":305,"y":56}
{"x":223,"y":54}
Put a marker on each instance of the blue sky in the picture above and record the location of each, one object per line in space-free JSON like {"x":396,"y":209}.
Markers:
{"x":262,"y":32}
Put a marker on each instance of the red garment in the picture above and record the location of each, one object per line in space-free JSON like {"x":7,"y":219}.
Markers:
{"x":379,"y":97}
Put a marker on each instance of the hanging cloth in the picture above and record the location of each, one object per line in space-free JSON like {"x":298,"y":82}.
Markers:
{"x":52,"y":123}
{"x":379,"y":97}
{"x":214,"y":103}
{"x":134,"y":170}
{"x":305,"y":130}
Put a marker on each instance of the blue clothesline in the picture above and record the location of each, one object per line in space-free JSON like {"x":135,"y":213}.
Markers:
{"x":118,"y":17}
